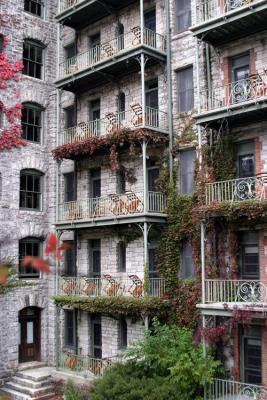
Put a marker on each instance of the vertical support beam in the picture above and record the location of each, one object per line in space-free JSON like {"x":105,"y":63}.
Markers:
{"x":58,"y":47}
{"x":143,"y":89}
{"x":145,"y":233}
{"x":202,"y":239}
{"x":58,"y":335}
{"x":57,"y":266}
{"x":169,"y":84}
{"x":142,"y":20}
{"x":144,"y":146}
{"x":199,"y":99}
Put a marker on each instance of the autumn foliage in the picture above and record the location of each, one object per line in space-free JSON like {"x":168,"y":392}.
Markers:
{"x":10,"y":136}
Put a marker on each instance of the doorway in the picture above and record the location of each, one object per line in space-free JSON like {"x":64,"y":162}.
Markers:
{"x":29,"y":334}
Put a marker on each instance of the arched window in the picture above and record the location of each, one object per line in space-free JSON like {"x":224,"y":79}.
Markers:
{"x":34,"y":7}
{"x":30,"y":190}
{"x":31,"y":120}
{"x":29,"y":246}
{"x":33,"y":58}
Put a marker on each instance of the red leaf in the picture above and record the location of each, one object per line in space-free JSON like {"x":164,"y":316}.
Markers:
{"x":51,"y":245}
{"x":36,"y":263}
{"x":65,"y":246}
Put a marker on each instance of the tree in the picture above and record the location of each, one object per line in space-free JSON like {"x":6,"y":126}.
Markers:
{"x":167,"y":359}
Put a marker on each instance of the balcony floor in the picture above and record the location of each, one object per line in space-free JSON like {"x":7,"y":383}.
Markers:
{"x":123,"y":64}
{"x":109,"y":221}
{"x":234,"y":25}
{"x":89,"y":11}
{"x":219,"y":308}
{"x":236,"y":115}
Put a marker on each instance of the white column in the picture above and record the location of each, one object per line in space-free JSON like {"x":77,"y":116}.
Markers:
{"x":144,"y":145}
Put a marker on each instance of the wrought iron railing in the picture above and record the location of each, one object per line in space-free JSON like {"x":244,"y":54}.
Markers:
{"x":240,"y":92}
{"x":110,"y":286}
{"x":154,"y":119}
{"x":209,"y":9}
{"x":235,"y":291}
{"x":253,"y":188}
{"x":223,"y":389}
{"x":112,"y":206}
{"x":108,"y":50}
{"x":85,"y":365}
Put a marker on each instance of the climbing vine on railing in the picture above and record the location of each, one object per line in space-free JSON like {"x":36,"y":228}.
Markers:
{"x":111,"y":143}
{"x":10,"y":136}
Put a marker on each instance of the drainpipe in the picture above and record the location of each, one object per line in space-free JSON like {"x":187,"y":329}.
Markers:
{"x":144,"y":145}
{"x":169,"y":85}
{"x":198,"y":108}
{"x":57,"y":332}
{"x":203,"y":295}
{"x":142,"y":20}
{"x":145,"y":233}
{"x":143,"y":90}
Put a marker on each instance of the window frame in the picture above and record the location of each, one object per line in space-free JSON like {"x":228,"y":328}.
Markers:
{"x":41,"y":6}
{"x":32,"y":172}
{"x":181,"y":93}
{"x":65,"y":178}
{"x":35,"y":107}
{"x":68,"y":344}
{"x":122,"y":334}
{"x":34,"y":274}
{"x":122,"y":258}
{"x":182,"y":174}
{"x":177,"y":14}
{"x":36,"y":45}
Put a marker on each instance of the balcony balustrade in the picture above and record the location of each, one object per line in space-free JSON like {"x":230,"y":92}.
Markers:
{"x":85,"y":365}
{"x":154,"y":119}
{"x":66,"y":4}
{"x":243,"y":92}
{"x":209,"y":9}
{"x":111,"y":50}
{"x":222,"y":389}
{"x":112,"y":206}
{"x":235,"y":291}
{"x":110,"y":286}
{"x":253,"y":188}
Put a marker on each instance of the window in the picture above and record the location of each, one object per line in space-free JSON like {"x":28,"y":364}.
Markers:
{"x":32,"y":59}
{"x":187,"y":263}
{"x":31,"y":120}
{"x":240,"y":67}
{"x":1,"y":42}
{"x":121,"y":106}
{"x":185,"y":89}
{"x":94,"y":116}
{"x":34,"y":7}
{"x":70,"y":328}
{"x":183,"y":15}
{"x":122,"y":256}
{"x":245,"y":159}
{"x":187,"y":171}
{"x":96,"y":336}
{"x":123,"y":339}
{"x":120,"y":36}
{"x":249,"y":255}
{"x":95,"y":183}
{"x":150,"y":20}
{"x":251,"y":355}
{"x":29,"y":247}
{"x":152,"y":175}
{"x":95,"y":258}
{"x":70,"y":117}
{"x":69,"y":187}
{"x":152,"y":100}
{"x":30,"y":190}
{"x":70,"y":50}
{"x":94,"y":40}
{"x":70,"y":259}
{"x":121,"y":181}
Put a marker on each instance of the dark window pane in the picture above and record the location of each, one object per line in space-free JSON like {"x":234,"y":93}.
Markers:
{"x":32,"y":59}
{"x":183,"y":15}
{"x":123,"y":339}
{"x":30,"y":190}
{"x":187,"y":262}
{"x":34,"y":7}
{"x":70,"y":188}
{"x":28,"y":247}
{"x":185,"y":89}
{"x":122,"y":256}
{"x":70,"y":117}
{"x":187,"y":171}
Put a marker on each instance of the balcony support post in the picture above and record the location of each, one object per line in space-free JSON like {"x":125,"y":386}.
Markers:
{"x":142,"y":20}
{"x":169,"y":83}
{"x":143,"y":88}
{"x":207,"y":53}
{"x":58,"y":335}
{"x":202,"y":239}
{"x":144,"y":154}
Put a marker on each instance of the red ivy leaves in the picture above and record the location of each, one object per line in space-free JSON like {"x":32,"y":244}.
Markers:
{"x":8,"y":70}
{"x":113,"y":141}
{"x":11,"y":137}
{"x":37,"y":263}
{"x":12,"y":112}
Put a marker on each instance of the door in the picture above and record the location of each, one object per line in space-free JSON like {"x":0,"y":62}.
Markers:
{"x":154,"y":202}
{"x":95,"y":258}
{"x":240,"y":88}
{"x":251,"y":355}
{"x":150,"y":20}
{"x":94,"y":116}
{"x":120,"y":36}
{"x":97,"y":336}
{"x":29,"y":334}
{"x":249,"y":255}
{"x":152,"y":104}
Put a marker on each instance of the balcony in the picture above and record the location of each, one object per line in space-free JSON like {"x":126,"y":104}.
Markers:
{"x":240,"y":102}
{"x":113,"y":209}
{"x":111,"y":59}
{"x":154,"y":120}
{"x":235,"y":190}
{"x":80,"y":13}
{"x":132,"y":286}
{"x":221,"y":21}
{"x":86,"y":366}
{"x":222,"y":389}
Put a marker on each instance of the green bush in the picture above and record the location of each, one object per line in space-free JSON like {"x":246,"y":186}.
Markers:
{"x":165,"y":365}
{"x":74,"y":392}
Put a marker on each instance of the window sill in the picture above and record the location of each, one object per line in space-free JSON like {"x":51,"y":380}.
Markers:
{"x":181,"y":35}
{"x":31,"y":212}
